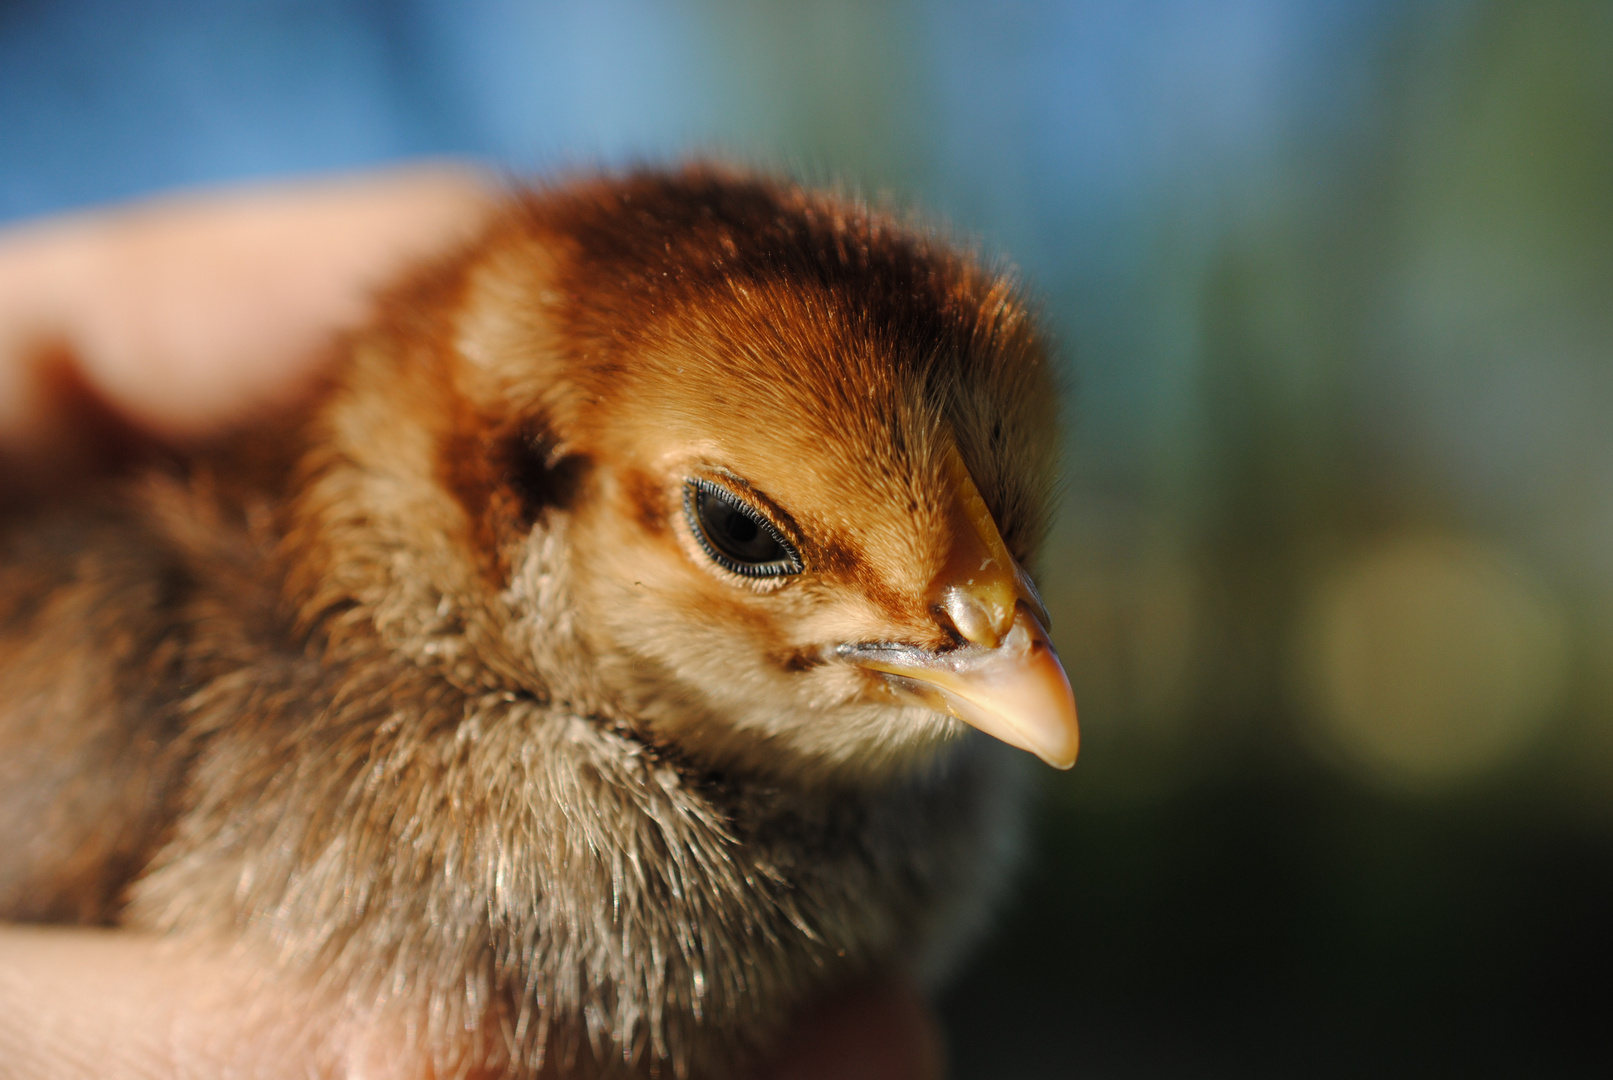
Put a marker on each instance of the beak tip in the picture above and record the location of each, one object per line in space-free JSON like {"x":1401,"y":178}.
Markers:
{"x":1060,"y":744}
{"x":1061,"y":761}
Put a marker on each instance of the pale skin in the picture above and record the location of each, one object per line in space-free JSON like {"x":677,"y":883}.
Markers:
{"x":184,"y":316}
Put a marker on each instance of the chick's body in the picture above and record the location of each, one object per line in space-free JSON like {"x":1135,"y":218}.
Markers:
{"x":583,"y":677}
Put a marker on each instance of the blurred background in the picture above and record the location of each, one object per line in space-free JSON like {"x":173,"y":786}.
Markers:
{"x":1334,"y":570}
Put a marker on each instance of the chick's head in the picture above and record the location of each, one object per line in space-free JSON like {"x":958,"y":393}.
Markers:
{"x":759,"y":474}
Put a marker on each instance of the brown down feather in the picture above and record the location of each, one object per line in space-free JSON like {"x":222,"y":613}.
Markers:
{"x":452,"y":714}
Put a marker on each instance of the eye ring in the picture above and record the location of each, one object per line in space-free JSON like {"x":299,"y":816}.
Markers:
{"x":734,"y":535}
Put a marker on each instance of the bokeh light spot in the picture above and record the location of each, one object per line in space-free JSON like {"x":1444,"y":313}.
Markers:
{"x":1431,"y":660}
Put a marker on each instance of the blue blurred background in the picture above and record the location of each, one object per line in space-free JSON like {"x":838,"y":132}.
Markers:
{"x":1334,"y":570}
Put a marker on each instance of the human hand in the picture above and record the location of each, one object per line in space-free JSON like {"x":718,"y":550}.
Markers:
{"x":92,"y":1004}
{"x":180,"y":317}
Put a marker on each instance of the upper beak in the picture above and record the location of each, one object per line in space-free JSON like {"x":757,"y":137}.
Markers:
{"x":1006,"y":680}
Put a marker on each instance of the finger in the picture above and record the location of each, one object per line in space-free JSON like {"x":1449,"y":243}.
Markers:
{"x":188,"y":312}
{"x":112,"y":1005}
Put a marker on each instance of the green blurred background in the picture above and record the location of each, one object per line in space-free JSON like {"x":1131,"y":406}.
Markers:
{"x":1334,"y":570}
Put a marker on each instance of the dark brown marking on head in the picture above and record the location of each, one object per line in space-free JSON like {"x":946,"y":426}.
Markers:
{"x":647,"y":501}
{"x":896,"y":607}
{"x":797,"y":660}
{"x":837,"y":556}
{"x":542,"y":477}
{"x":833,"y":556}
{"x":506,"y":478}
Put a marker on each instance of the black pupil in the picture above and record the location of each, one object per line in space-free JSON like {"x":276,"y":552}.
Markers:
{"x":736,"y":534}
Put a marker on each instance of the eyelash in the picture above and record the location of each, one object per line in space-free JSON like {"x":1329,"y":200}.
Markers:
{"x":693,"y":490}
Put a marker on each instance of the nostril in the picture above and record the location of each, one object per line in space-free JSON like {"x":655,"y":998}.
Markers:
{"x":977,"y":620}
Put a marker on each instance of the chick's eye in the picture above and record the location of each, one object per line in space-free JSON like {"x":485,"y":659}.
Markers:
{"x":735,"y":536}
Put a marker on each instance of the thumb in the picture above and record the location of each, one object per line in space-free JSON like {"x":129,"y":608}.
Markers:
{"x":113,"y":1005}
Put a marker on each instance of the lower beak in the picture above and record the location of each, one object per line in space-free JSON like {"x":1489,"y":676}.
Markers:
{"x":1016,"y":691}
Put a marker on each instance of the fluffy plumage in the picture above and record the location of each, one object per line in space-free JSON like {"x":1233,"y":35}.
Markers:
{"x":439,"y":693}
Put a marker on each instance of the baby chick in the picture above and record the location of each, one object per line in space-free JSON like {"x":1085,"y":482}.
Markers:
{"x":592,"y":665}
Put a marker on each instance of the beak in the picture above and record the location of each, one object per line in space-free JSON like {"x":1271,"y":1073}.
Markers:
{"x":1006,"y":679}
